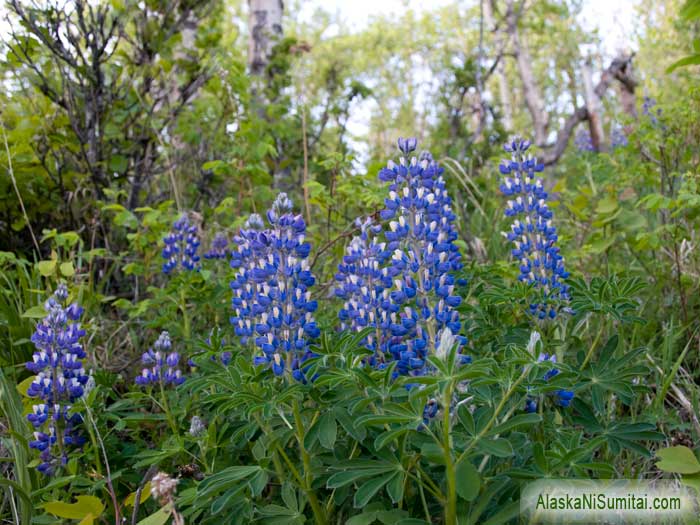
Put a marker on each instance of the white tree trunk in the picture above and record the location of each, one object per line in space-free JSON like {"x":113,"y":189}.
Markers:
{"x":265,"y":26}
{"x":503,"y":87}
{"x":533,"y":97}
{"x":594,"y":108}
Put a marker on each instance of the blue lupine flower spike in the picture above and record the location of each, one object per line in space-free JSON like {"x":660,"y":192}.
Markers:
{"x":59,"y":383}
{"x":412,"y":299}
{"x":219,"y":247}
{"x":533,"y":234}
{"x":181,"y":246}
{"x":272,"y":301}
{"x":161,"y":364}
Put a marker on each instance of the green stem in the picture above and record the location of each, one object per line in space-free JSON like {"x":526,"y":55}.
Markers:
{"x":494,"y":417}
{"x":428,"y":518}
{"x":429,"y":483}
{"x":168,"y":413}
{"x":593,"y":346}
{"x":275,"y":457}
{"x":93,"y":440}
{"x":319,"y":515}
{"x":185,"y":317}
{"x":450,"y":474}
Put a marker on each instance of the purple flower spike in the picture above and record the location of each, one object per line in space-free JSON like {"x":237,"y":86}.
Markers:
{"x":163,"y":364}
{"x":271,"y":300}
{"x":532,"y":233}
{"x":60,"y":380}
{"x":181,"y":246}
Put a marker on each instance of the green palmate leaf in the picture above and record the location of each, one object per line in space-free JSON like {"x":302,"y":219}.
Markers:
{"x":517,"y":421}
{"x":225,"y":500}
{"x":369,"y":488}
{"x":491,"y":491}
{"x":468,"y":480}
{"x":347,"y":422}
{"x":387,"y":437}
{"x":289,"y":496}
{"x":505,"y":514}
{"x":386,"y":517}
{"x":680,"y":460}
{"x":152,"y":457}
{"x":500,"y":447}
{"x":358,"y":470}
{"x":395,"y":487}
{"x":466,"y":418}
{"x":84,"y":506}
{"x":312,"y":435}
{"x":224,"y":479}
{"x":328,"y":430}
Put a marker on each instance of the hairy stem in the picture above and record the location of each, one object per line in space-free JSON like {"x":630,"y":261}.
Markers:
{"x":319,"y":515}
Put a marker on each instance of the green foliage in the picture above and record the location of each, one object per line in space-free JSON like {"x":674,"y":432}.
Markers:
{"x":183,"y":127}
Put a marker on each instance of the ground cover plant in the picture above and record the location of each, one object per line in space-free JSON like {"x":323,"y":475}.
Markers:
{"x":217,"y":308}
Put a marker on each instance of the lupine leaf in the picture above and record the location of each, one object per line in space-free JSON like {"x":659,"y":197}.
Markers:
{"x":370,"y":488}
{"x":468,"y":480}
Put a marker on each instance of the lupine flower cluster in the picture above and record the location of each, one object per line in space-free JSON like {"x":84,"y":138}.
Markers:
{"x":405,"y":287}
{"x":271,"y":291}
{"x":219,"y":247}
{"x":563,"y":397}
{"x":60,"y":381}
{"x":181,"y":246}
{"x":533,"y":234}
{"x":584,"y":142}
{"x":365,"y":285}
{"x":162,"y":364}
{"x":618,"y":138}
{"x":650,"y":110}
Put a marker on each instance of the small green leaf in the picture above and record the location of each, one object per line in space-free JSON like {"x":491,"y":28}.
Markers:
{"x":47,"y":268}
{"x":680,"y":460}
{"x":67,"y":269}
{"x":468,"y":481}
{"x":159,"y":517}
{"x":23,"y":387}
{"x":118,"y":163}
{"x":145,"y":494}
{"x":606,"y":205}
{"x":35,"y":312}
{"x":84,"y":506}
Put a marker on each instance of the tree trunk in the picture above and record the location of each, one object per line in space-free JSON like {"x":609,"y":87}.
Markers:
{"x":593,"y":106}
{"x":265,"y":26}
{"x":503,"y":87}
{"x":533,"y":97}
